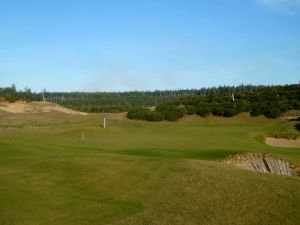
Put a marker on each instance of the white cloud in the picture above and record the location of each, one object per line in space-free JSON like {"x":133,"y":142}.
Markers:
{"x":288,"y":7}
{"x":280,"y":4}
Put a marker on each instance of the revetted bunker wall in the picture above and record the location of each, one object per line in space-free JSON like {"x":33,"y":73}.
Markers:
{"x":264,"y":163}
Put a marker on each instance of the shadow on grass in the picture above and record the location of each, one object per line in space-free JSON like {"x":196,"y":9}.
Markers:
{"x":176,"y":154}
{"x":297,"y":126}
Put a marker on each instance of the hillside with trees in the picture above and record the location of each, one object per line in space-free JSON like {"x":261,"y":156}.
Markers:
{"x":171,"y":105}
{"x":269,"y":101}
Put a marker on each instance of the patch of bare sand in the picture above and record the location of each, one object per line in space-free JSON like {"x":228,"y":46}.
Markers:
{"x":36,"y":107}
{"x":281,"y":142}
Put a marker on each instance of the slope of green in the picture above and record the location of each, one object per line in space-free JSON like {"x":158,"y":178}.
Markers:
{"x":140,"y":173}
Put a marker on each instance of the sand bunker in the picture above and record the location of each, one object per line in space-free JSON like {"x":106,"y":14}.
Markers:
{"x":281,"y":142}
{"x":264,"y":163}
{"x":36,"y":107}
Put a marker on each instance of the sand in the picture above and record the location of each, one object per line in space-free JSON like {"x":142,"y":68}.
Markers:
{"x":281,"y":142}
{"x":36,"y":107}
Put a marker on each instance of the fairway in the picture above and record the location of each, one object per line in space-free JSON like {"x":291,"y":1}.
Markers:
{"x":136,"y":172}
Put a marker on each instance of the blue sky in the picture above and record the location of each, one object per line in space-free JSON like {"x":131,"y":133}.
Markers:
{"x":118,"y":45}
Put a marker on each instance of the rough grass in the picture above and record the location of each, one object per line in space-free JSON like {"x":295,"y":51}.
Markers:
{"x":284,"y":135}
{"x":140,"y":173}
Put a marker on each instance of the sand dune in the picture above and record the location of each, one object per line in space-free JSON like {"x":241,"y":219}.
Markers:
{"x":36,"y":107}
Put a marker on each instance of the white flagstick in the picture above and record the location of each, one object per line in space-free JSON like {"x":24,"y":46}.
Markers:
{"x":43,"y":97}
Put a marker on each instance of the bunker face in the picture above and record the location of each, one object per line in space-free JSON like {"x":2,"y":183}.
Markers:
{"x":264,"y":163}
{"x":36,"y":107}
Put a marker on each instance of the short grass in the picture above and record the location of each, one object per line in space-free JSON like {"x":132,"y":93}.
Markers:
{"x":139,"y":172}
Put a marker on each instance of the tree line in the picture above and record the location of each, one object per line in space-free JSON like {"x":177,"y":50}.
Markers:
{"x":172,"y":104}
{"x":269,"y":101}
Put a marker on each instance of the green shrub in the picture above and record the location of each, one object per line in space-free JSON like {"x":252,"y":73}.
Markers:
{"x":11,"y":99}
{"x":272,"y":113}
{"x":191,"y":110}
{"x":171,"y":112}
{"x":242,"y":106}
{"x":168,"y":107}
{"x":203,"y":111}
{"x":171,"y":116}
{"x":229,"y":112}
{"x":138,"y":113}
{"x":218,"y":110}
{"x":174,"y":114}
{"x":256,"y":111}
{"x":154,"y":116}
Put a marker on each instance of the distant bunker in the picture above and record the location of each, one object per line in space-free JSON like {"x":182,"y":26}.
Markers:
{"x":36,"y":107}
{"x":264,"y":163}
{"x":282,"y":142}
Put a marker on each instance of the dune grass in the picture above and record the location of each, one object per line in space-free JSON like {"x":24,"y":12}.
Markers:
{"x":139,"y":172}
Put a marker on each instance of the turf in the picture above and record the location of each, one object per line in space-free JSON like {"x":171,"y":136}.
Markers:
{"x":140,"y":173}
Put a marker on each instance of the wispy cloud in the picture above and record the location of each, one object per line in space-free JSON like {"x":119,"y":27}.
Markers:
{"x":290,"y":6}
